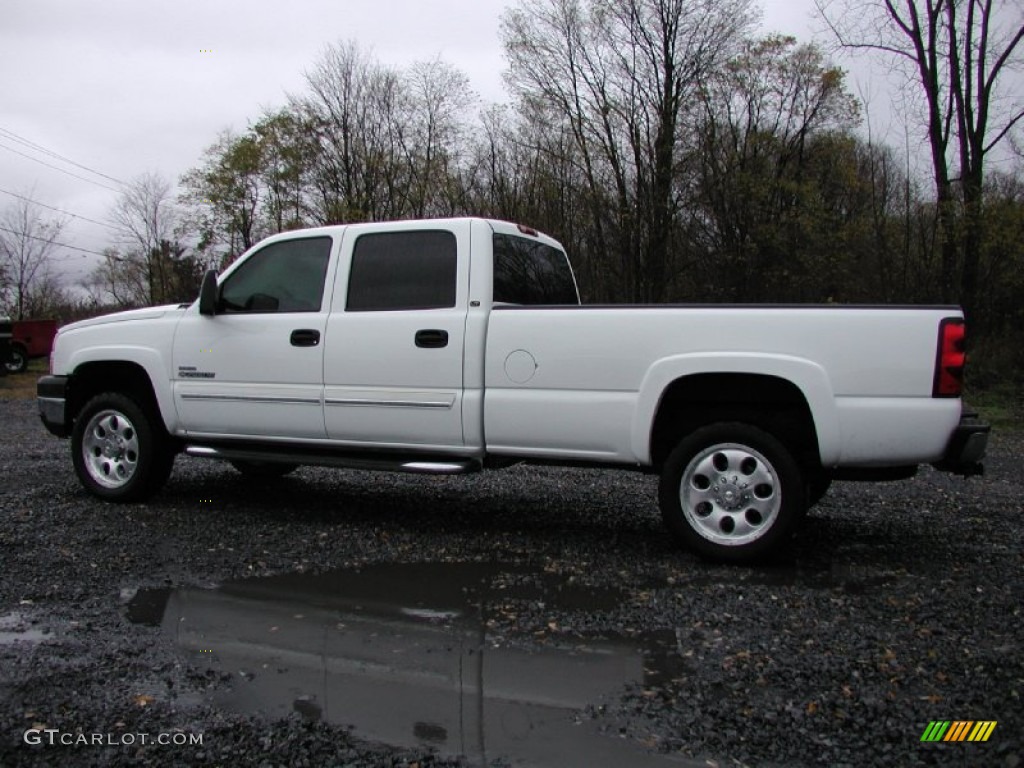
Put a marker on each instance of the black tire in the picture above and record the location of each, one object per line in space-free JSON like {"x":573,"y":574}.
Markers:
{"x":263,"y":470}
{"x":120,"y":449}
{"x":17,"y":359}
{"x":732,"y":492}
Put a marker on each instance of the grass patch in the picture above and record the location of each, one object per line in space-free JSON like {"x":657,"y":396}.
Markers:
{"x":22,"y":386}
{"x":1003,"y":409}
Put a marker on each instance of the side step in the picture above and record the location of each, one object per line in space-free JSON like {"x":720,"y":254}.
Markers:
{"x":426,"y":465}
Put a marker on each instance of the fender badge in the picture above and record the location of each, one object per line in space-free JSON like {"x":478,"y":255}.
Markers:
{"x":190,"y":372}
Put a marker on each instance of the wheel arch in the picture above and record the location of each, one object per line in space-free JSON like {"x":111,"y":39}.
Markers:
{"x":789,"y":397}
{"x":129,"y":377}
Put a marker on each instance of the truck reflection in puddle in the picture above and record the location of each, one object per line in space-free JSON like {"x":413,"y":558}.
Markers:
{"x":401,"y":653}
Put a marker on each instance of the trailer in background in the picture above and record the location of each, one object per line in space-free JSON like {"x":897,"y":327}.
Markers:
{"x":28,"y":339}
{"x":5,"y":344}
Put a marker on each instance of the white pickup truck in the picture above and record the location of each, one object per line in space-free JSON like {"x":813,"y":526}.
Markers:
{"x":449,"y":346}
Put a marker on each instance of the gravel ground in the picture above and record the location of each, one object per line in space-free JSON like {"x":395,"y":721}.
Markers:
{"x":898,"y":605}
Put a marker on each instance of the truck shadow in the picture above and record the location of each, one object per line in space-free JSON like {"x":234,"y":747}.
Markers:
{"x":535,"y":498}
{"x":542,"y":508}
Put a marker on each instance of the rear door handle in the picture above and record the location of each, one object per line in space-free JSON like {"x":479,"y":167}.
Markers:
{"x":305,"y":337}
{"x":432,"y":338}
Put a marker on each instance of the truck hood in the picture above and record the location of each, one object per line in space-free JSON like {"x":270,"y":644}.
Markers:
{"x":146,"y":313}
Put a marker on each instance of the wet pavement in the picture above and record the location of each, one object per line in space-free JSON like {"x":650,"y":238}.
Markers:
{"x":402,"y":654}
{"x":15,"y":629}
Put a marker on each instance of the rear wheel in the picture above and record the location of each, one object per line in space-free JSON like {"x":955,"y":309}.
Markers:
{"x":731,"y":492}
{"x":119,"y":449}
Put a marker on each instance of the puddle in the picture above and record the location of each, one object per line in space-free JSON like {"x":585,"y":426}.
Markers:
{"x":401,"y":654}
{"x":147,"y":606}
{"x":14,"y":628}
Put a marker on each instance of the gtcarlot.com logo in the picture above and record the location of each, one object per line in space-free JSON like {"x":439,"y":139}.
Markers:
{"x":958,"y":730}
{"x":53,"y":737}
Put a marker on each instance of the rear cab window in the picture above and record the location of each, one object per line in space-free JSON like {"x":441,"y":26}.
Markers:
{"x":529,"y":272}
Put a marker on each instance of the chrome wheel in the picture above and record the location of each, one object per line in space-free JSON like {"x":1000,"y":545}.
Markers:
{"x":110,"y":448}
{"x":119,"y":447}
{"x":730,"y":494}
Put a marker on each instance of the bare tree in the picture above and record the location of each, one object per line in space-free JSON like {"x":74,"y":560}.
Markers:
{"x":119,"y":280}
{"x":766,"y":112}
{"x":49,"y":296}
{"x":439,"y":97}
{"x":560,"y":79}
{"x":145,"y":216}
{"x":149,"y":263}
{"x":27,"y":245}
{"x":624,"y":76}
{"x":354,"y":110}
{"x":960,"y":53}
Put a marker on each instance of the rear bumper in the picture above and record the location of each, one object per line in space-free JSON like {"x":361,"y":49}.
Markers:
{"x":51,"y":394}
{"x":966,"y":447}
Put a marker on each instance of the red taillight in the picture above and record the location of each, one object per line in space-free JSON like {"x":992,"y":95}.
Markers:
{"x":949,"y":363}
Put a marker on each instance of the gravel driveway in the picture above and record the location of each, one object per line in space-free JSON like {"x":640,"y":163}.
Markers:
{"x":899,"y":605}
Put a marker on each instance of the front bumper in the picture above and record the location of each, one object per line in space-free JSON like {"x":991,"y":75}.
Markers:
{"x":51,"y":393}
{"x":966,"y":447}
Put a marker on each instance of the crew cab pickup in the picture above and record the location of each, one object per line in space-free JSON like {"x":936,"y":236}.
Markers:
{"x":449,"y":346}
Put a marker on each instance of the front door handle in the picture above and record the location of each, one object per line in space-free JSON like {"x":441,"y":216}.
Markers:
{"x":305,"y":337}
{"x":432,"y":338}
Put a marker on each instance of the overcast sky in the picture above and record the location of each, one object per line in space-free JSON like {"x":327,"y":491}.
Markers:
{"x":128,"y":86}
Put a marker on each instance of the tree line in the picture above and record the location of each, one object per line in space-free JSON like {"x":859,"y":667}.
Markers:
{"x":677,"y":155}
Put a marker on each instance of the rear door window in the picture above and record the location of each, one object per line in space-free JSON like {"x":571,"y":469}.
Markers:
{"x":394,"y":271}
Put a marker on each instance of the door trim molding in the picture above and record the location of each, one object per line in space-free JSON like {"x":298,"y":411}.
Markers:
{"x":366,"y":402}
{"x":252,"y":399}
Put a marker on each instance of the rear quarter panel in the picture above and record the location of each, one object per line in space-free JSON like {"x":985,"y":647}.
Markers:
{"x":598,"y":374}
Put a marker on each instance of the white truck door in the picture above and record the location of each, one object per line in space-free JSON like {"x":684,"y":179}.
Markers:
{"x":256,"y":367}
{"x":393,"y":361}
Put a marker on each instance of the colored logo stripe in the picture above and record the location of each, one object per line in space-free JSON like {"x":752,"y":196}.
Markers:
{"x":935,"y":731}
{"x":982,"y":731}
{"x":958,"y":730}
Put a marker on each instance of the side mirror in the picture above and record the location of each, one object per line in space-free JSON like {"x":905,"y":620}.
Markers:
{"x":208,"y":294}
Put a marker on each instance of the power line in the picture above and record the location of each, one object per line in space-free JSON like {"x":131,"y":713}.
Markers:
{"x":60,"y":210}
{"x":62,"y":170}
{"x":40,"y":148}
{"x":51,"y":242}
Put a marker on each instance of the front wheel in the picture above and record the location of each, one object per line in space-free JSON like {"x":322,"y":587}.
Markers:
{"x":119,"y":450}
{"x":731,"y":492}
